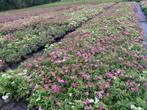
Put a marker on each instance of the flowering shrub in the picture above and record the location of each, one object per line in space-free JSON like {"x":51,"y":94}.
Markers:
{"x":96,"y":67}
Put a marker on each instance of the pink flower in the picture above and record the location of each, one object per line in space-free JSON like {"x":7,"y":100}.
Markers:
{"x":48,"y":81}
{"x":125,"y":33}
{"x":45,"y":87}
{"x":145,"y":57}
{"x":85,"y":76}
{"x":129,"y":63}
{"x":145,"y":85}
{"x":36,"y":87}
{"x":40,"y":108}
{"x":110,"y":75}
{"x":142,"y":33}
{"x":55,"y":89}
{"x":100,"y":107}
{"x":136,"y":55}
{"x":107,"y":85}
{"x":100,"y":94}
{"x":73,"y":85}
{"x":72,"y":77}
{"x":89,"y":84}
{"x":28,"y":65}
{"x":60,"y":80}
{"x":132,"y":84}
{"x":86,"y":93}
{"x":99,"y":77}
{"x":132,"y":89}
{"x":118,"y":72}
{"x":53,"y":74}
{"x":62,"y":72}
{"x":107,"y":94}
{"x":58,"y":103}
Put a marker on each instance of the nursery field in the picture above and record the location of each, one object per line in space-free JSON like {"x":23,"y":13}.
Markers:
{"x":73,"y":57}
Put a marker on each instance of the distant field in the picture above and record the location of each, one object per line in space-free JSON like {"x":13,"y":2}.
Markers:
{"x":68,"y":2}
{"x":73,"y":55}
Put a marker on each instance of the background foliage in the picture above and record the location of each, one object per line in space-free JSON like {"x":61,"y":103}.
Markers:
{"x":15,"y":4}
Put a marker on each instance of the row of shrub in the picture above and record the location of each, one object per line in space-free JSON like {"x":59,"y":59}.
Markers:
{"x":15,"y":4}
{"x":33,"y":38}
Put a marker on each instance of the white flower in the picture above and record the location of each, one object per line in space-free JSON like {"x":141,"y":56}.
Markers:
{"x":70,"y":103}
{"x":115,"y":77}
{"x":70,"y":94}
{"x":139,"y":108}
{"x":39,"y":98}
{"x":6,"y":97}
{"x":91,"y":100}
{"x":96,"y":100}
{"x":72,"y":106}
{"x":133,"y":107}
{"x":13,"y":82}
{"x":25,"y":72}
{"x":6,"y":76}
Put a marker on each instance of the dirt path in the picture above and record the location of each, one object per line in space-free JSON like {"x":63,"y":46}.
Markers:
{"x":12,"y":106}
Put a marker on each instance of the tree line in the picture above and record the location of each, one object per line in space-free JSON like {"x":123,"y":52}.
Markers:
{"x":15,"y":4}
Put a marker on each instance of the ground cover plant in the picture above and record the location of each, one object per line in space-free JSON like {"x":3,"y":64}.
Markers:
{"x":96,"y":67}
{"x":16,"y":45}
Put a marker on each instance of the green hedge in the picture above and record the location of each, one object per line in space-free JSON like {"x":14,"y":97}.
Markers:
{"x":145,"y":10}
{"x":15,"y":4}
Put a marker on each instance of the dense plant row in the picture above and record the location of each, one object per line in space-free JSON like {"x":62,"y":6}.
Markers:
{"x":46,"y":16}
{"x":97,"y":67}
{"x":8,"y":16}
{"x":16,"y":45}
{"x":40,"y":18}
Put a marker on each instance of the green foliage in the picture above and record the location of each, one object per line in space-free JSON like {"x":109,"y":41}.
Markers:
{"x":145,"y":10}
{"x":14,"y":4}
{"x":13,"y":84}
